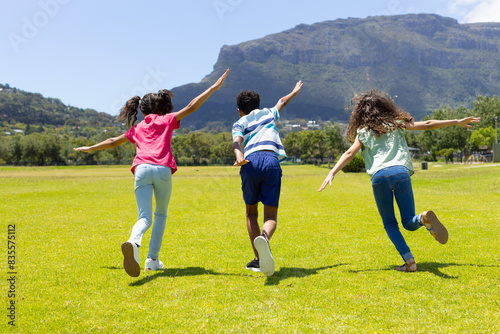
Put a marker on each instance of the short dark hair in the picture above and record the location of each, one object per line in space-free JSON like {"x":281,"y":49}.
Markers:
{"x":247,"y":101}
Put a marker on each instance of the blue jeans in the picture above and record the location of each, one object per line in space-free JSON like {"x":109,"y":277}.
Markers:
{"x":389,"y":183}
{"x":151,"y":179}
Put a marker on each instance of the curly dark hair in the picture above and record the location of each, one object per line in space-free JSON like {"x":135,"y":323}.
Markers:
{"x":152,"y":103}
{"x":247,"y":101}
{"x":376,"y":111}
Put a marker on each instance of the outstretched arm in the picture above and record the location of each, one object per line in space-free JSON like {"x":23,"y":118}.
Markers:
{"x":344,"y":160}
{"x":286,"y":99}
{"x":108,"y":143}
{"x":200,"y":99}
{"x":436,"y":124}
{"x":238,"y":152}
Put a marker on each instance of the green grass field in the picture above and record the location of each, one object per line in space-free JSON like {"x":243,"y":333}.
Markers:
{"x":334,"y":262}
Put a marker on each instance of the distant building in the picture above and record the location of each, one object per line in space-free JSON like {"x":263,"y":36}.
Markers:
{"x":312,"y":124}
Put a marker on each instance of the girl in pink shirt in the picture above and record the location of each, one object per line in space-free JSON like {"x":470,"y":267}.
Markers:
{"x":153,"y":166}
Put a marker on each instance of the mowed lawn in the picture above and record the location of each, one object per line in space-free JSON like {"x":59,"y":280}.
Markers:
{"x":334,"y":262}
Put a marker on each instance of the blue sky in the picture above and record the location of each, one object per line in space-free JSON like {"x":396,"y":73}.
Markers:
{"x":96,"y":55}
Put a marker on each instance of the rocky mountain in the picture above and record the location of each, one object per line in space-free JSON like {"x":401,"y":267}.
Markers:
{"x":424,"y":61}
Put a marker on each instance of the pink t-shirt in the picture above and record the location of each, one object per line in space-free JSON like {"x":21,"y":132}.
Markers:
{"x":153,"y":137}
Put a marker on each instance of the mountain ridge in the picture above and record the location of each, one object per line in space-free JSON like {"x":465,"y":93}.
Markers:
{"x":18,"y":106}
{"x":423,"y":60}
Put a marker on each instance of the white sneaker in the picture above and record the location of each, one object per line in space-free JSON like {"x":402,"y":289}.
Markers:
{"x":153,"y":264}
{"x":131,"y":258}
{"x":266,"y":261}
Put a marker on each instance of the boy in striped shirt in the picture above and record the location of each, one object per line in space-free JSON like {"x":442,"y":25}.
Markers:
{"x":256,"y":135}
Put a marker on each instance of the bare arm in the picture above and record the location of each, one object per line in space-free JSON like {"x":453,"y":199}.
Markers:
{"x":344,"y":160}
{"x":200,"y":99}
{"x":108,"y":143}
{"x":238,"y":151}
{"x":436,"y":124}
{"x":286,"y":99}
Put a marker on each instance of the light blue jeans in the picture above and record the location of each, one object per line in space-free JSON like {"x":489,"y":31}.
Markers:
{"x":389,"y":183}
{"x":151,"y":179}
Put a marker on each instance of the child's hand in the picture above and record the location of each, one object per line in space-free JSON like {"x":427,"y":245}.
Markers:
{"x":282,"y":103}
{"x":220,"y":81}
{"x":297,"y":87}
{"x":241,"y":162}
{"x":327,"y":181}
{"x":464,"y":122}
{"x":85,"y":149}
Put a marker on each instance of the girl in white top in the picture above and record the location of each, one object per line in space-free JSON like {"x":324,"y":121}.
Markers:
{"x":376,"y":128}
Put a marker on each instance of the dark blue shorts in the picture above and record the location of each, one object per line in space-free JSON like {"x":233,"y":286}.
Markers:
{"x":261,"y":179}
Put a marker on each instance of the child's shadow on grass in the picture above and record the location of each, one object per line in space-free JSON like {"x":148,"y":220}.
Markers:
{"x":286,"y":272}
{"x":175,"y":272}
{"x":433,"y":268}
{"x":171,"y":272}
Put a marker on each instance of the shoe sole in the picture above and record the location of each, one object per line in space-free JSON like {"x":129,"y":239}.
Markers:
{"x":441,"y":231}
{"x":132,"y":268}
{"x":266,"y":261}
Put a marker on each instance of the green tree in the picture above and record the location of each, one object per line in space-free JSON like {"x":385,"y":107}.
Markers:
{"x":483,"y":137}
{"x":82,"y":157}
{"x":221,"y":147}
{"x":5,"y":150}
{"x":320,"y":144}
{"x":32,"y":149}
{"x":306,"y":144}
{"x":291,"y":143}
{"x":334,"y":136}
{"x":179,"y":146}
{"x":486,"y":108}
{"x":116,"y":154}
{"x":16,"y":149}
{"x":447,"y":153}
{"x":356,"y":165}
{"x":197,"y":147}
{"x":449,"y":137}
{"x":222,"y":152}
{"x":412,"y":139}
{"x":51,"y":148}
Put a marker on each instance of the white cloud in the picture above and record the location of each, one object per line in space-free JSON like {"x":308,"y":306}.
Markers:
{"x":473,"y":11}
{"x":485,"y":11}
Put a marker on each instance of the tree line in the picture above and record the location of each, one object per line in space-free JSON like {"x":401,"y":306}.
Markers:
{"x":17,"y":106}
{"x":53,"y":145}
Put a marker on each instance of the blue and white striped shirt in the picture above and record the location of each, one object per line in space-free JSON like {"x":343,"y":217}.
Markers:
{"x":259,"y":131}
